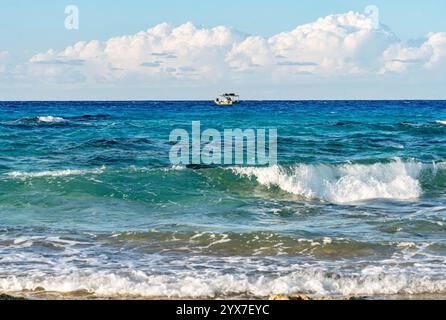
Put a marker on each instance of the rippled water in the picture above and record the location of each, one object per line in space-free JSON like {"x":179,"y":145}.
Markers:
{"x":90,"y":205}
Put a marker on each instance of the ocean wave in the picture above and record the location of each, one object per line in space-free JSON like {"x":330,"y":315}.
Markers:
{"x":118,"y":142}
{"x":334,"y":183}
{"x":50,"y":119}
{"x":345,"y":183}
{"x":56,"y":173}
{"x":80,"y":172}
{"x":371,"y":281}
{"x":28,"y":122}
{"x":76,"y":267}
{"x":441,"y":122}
{"x":263,"y":244}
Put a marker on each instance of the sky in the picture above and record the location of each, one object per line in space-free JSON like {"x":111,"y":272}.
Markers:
{"x":196,"y":49}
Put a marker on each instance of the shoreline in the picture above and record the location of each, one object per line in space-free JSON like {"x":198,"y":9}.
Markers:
{"x":75,"y":296}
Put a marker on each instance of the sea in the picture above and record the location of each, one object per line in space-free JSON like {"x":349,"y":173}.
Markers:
{"x":92,"y":207}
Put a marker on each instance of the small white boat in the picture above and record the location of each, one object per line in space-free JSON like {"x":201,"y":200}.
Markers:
{"x":227,"y":99}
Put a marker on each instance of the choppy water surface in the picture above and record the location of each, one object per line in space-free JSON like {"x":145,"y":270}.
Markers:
{"x":90,"y":205}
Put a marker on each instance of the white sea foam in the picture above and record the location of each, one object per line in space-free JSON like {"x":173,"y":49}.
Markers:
{"x":370,"y":282}
{"x":76,"y":266}
{"x":441,"y":122}
{"x":344,"y":183}
{"x":57,"y":173}
{"x":174,"y":168}
{"x":155,"y":169}
{"x":178,"y":168}
{"x":50,"y":119}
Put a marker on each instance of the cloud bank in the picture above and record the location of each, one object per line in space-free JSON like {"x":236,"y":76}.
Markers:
{"x":342,"y":45}
{"x":337,"y":44}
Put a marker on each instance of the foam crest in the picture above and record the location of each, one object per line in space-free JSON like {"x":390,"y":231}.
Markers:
{"x":212,"y":285}
{"x":56,"y":173}
{"x":50,"y":119}
{"x":345,"y":183}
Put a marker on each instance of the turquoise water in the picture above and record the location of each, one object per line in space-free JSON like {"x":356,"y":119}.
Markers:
{"x":90,"y":204}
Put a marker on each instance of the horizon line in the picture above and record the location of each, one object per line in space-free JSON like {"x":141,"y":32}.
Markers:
{"x":209,"y":100}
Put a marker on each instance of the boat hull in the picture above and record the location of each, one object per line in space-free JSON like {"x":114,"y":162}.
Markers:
{"x":226,"y":103}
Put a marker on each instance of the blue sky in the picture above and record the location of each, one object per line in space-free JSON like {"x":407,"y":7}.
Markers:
{"x":31,"y":26}
{"x":28,"y":28}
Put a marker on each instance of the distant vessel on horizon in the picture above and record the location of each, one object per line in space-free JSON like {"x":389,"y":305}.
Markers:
{"x":227,"y":99}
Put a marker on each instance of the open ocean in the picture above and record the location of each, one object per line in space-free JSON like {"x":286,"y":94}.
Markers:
{"x":91,"y":207}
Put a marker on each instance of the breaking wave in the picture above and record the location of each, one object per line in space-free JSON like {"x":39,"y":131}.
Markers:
{"x":345,"y":183}
{"x":214,"y":284}
{"x":333,"y":183}
{"x":50,"y":119}
{"x":37,"y":121}
{"x":56,"y":173}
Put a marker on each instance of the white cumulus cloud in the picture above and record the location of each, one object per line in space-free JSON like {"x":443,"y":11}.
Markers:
{"x":162,"y":51}
{"x":429,"y":55}
{"x":344,"y":43}
{"x":341,"y":44}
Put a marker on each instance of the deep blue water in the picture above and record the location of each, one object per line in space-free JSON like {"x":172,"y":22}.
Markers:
{"x":90,"y":203}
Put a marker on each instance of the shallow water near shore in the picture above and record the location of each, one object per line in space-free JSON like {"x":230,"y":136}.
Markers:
{"x":90,"y":206}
